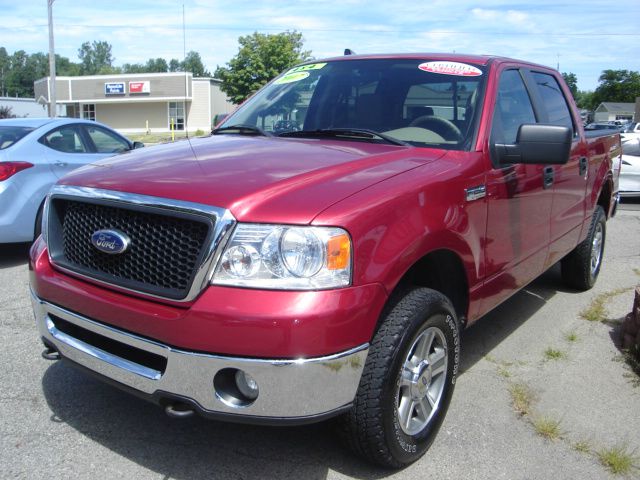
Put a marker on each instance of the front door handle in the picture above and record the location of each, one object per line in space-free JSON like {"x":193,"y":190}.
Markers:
{"x":61,"y":164}
{"x":583,"y":166}
{"x":547,"y":177}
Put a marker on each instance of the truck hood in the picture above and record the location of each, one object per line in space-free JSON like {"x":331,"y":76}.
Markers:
{"x":259,"y":179}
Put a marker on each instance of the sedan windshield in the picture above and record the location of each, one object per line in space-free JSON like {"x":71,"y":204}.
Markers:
{"x":10,"y":135}
{"x":399,"y":101}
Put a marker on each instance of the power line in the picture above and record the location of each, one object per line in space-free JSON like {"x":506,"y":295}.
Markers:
{"x":363,"y":29}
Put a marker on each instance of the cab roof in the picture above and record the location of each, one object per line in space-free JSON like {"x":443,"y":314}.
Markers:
{"x":481,"y":60}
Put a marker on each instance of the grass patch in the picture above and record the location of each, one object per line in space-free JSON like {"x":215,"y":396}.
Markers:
{"x":597,"y":310}
{"x":504,"y":372}
{"x":636,"y":271}
{"x":547,"y":428}
{"x":617,"y":460}
{"x":553,"y":354}
{"x":582,"y":446}
{"x":571,"y":337}
{"x":521,"y":398}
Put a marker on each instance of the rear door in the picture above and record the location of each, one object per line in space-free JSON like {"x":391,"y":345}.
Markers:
{"x":104,"y":142}
{"x":570,"y":179}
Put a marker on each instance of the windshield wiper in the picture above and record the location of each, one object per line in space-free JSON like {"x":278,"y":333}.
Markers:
{"x":242,"y":129}
{"x":359,"y":133}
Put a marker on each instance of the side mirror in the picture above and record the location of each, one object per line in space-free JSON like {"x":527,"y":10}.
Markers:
{"x":537,"y":144}
{"x":137,"y":145}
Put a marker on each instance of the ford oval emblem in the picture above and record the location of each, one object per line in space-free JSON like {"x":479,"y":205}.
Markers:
{"x":110,"y":241}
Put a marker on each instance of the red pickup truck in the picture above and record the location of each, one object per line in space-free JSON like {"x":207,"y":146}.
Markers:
{"x":321,"y":252}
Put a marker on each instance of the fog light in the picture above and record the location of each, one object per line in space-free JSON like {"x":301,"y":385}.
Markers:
{"x":247,"y":385}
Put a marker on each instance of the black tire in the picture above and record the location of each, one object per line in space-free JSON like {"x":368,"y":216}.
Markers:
{"x":578,"y":269}
{"x":372,"y":427}
{"x":37,"y":227}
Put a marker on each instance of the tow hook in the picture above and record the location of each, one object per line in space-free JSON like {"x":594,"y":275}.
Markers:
{"x":50,"y":354}
{"x":178,"y":410}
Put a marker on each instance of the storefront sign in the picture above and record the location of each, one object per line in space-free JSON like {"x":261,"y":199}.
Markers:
{"x":139,"y":87}
{"x":114,"y":88}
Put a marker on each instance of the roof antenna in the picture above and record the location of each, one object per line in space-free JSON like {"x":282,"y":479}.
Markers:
{"x":348,"y":51}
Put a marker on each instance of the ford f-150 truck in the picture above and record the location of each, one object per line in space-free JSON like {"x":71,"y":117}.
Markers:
{"x":321,"y":252}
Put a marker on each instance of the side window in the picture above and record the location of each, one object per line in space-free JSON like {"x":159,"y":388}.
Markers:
{"x":65,"y":139}
{"x":553,"y":100}
{"x":105,"y":141}
{"x":513,"y":108}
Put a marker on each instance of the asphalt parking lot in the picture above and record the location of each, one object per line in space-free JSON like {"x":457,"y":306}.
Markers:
{"x":59,"y":423}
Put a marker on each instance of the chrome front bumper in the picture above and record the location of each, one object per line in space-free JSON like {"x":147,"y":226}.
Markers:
{"x":288,"y":389}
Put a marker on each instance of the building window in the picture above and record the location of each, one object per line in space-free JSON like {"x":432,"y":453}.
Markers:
{"x":176,"y":115}
{"x":89,"y":111}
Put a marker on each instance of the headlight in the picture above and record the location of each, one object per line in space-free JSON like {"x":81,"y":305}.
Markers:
{"x":285,"y":257}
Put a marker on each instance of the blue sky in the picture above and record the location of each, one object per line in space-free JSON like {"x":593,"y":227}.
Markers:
{"x":584,"y":37}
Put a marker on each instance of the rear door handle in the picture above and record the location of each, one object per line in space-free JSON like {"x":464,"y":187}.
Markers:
{"x":583,"y":166}
{"x":547,"y":177}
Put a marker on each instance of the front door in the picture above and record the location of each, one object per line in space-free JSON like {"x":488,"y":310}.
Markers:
{"x":519,"y":201}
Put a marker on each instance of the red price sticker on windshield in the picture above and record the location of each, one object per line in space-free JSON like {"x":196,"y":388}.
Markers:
{"x":451,"y":68}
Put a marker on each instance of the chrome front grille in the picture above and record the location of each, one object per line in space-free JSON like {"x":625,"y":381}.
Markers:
{"x":169,"y":248}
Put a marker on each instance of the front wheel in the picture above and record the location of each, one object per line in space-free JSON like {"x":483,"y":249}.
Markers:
{"x":581,"y":267}
{"x":407,"y":382}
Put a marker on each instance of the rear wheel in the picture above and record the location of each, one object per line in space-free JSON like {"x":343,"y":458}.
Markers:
{"x":581,"y":267}
{"x":407,"y":382}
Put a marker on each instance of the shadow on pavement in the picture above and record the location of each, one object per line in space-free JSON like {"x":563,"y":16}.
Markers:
{"x":488,"y":332}
{"x":14,"y":254}
{"x":196,"y":448}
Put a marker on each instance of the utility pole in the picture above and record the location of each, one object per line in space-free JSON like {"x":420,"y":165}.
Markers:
{"x":52,"y":64}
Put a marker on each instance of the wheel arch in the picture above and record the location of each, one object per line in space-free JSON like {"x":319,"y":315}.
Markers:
{"x":442,"y":270}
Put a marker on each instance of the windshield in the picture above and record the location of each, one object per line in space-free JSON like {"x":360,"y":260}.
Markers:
{"x":630,"y":128}
{"x":421,"y":102}
{"x":10,"y":135}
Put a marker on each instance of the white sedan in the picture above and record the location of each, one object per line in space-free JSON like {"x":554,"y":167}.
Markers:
{"x":34,"y":154}
{"x":630,"y":171}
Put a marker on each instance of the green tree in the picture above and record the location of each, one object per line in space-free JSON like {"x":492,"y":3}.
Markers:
{"x":65,"y":67}
{"x":584,"y":99}
{"x":157,"y":65}
{"x":153,"y":65}
{"x":175,"y":65}
{"x":134,"y":68}
{"x":572,"y":82}
{"x":617,"y":86}
{"x":260,"y":58}
{"x":96,"y":58}
{"x":5,"y":66}
{"x":193,"y":63}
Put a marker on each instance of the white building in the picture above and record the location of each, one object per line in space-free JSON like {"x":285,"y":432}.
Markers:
{"x":610,"y":111}
{"x":24,"y":107}
{"x":135,"y":103}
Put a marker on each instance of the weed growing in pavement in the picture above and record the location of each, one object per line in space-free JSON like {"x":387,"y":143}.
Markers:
{"x":553,"y":354}
{"x":582,"y":446}
{"x":618,"y":459}
{"x":547,"y":427}
{"x":571,"y":336}
{"x":521,"y":398}
{"x":636,"y":271}
{"x":504,"y":372}
{"x":597,"y":311}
